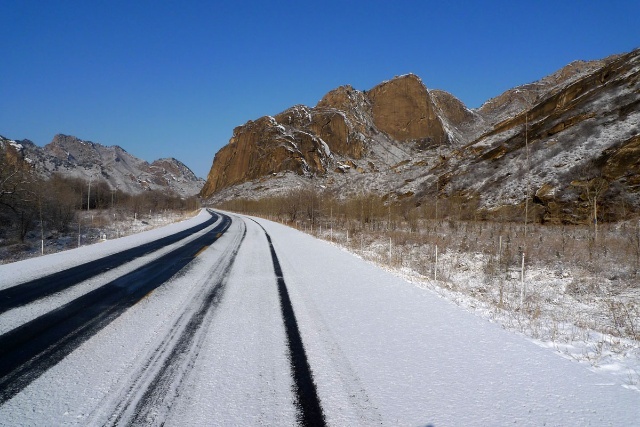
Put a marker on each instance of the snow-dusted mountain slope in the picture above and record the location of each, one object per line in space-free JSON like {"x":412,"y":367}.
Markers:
{"x":545,"y":141}
{"x":72,"y":157}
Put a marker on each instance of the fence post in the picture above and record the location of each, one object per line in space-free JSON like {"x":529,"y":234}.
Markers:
{"x":522,"y":283}
{"x":435,"y":268}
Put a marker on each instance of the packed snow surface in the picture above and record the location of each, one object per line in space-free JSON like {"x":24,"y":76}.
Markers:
{"x":382,"y":351}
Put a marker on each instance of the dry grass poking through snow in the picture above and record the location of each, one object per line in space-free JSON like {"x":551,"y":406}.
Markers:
{"x":95,"y":226}
{"x":578,"y":296}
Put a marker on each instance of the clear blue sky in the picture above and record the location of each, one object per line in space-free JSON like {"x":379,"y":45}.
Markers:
{"x":173,"y":78}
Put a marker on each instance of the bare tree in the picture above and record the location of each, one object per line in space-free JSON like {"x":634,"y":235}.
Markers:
{"x":17,"y":185}
{"x":593,"y":190}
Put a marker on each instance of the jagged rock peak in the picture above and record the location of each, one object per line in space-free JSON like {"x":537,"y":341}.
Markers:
{"x":70,"y":156}
{"x":344,"y":123}
{"x":65,"y":140}
{"x":344,"y":98}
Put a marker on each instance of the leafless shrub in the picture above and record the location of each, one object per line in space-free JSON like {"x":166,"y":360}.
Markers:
{"x":625,"y":318}
{"x":405,"y":236}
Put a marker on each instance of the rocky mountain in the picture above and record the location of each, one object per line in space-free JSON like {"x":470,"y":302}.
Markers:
{"x":346,"y":126}
{"x":72,"y":157}
{"x":548,"y":140}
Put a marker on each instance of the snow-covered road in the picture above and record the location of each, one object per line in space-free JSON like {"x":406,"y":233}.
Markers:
{"x":211,"y":347}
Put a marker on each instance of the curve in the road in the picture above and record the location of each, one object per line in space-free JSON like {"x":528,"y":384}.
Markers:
{"x":25,"y":293}
{"x":308,"y":402}
{"x":32,"y":348}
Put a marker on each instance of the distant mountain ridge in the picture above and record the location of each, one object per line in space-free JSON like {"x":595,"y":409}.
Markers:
{"x":553,"y":136}
{"x":73,"y":157}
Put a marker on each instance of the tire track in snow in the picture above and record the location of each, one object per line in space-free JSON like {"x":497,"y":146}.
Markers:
{"x":307,"y":400}
{"x":157,"y":384}
{"x":28,"y":351}
{"x":25,"y":293}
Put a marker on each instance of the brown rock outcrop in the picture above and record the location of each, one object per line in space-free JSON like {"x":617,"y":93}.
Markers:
{"x":252,"y":152}
{"x":554,"y":111}
{"x":400,"y":138}
{"x":333,"y":128}
{"x":345,"y":98}
{"x":452,"y":109}
{"x":266,"y":147}
{"x":403,"y":109}
{"x":623,"y":161}
{"x":304,"y":140}
{"x":585,"y":129}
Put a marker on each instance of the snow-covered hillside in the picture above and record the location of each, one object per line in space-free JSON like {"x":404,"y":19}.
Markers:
{"x":75,"y":158}
{"x":381,"y":350}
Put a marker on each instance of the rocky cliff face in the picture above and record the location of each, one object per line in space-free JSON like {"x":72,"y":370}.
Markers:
{"x":552,"y":137}
{"x":341,"y":128}
{"x":72,"y":157}
{"x":403,"y":109}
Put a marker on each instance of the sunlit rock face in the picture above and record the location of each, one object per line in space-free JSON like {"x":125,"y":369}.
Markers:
{"x":307,"y":140}
{"x":544,"y":141}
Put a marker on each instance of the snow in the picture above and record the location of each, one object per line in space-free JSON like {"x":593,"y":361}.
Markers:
{"x":325,"y":146}
{"x":382,"y":351}
{"x":422,"y":360}
{"x":23,"y":271}
{"x":18,"y":147}
{"x":14,"y":318}
{"x":275,"y":124}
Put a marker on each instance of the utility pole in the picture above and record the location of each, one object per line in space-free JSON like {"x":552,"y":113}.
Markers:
{"x":522,"y":290}
{"x":526,"y":196}
{"x":437,"y":193}
{"x":312,"y":219}
{"x":89,"y":193}
{"x":41,"y":224}
{"x":526,"y":204}
{"x":389,"y":198}
{"x":595,"y":219}
{"x":435,"y":266}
